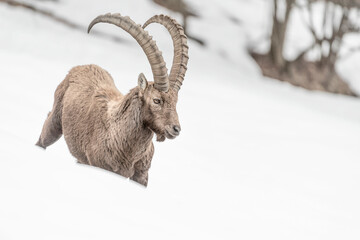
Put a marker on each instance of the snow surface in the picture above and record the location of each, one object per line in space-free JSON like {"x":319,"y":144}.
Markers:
{"x":256,"y":159}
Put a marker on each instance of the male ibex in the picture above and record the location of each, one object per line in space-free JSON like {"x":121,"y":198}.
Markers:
{"x":109,"y":130}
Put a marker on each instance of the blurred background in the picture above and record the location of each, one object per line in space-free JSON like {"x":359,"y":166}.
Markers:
{"x":269,"y":109}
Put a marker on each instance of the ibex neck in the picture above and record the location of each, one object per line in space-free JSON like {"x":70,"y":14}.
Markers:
{"x":126,"y":117}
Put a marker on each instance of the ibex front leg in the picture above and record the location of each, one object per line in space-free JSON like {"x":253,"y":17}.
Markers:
{"x":142,"y":167}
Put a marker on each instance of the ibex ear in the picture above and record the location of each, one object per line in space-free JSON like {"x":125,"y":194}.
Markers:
{"x":142,"y":82}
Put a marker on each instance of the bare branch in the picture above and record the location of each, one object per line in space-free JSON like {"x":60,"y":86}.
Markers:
{"x":59,"y":19}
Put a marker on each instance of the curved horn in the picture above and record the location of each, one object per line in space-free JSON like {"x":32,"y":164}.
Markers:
{"x":181,"y":56}
{"x":148,"y":45}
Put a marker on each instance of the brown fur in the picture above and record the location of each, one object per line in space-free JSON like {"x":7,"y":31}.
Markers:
{"x":106,"y":129}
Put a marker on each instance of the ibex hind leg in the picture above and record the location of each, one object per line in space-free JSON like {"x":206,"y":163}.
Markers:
{"x":52,"y":129}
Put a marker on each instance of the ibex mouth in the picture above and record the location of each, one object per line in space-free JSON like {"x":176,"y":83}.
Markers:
{"x":169,"y":135}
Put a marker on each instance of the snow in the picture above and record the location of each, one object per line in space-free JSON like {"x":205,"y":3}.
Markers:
{"x":256,"y":158}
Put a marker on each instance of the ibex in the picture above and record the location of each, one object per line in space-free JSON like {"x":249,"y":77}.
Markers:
{"x":106,"y":129}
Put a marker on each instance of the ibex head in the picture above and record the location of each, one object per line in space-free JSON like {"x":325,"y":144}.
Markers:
{"x":159,"y":110}
{"x":160,"y":97}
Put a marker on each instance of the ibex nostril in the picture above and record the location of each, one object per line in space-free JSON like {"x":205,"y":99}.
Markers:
{"x":176,"y":129}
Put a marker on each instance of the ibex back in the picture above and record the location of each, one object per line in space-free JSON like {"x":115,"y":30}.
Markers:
{"x":112,"y":131}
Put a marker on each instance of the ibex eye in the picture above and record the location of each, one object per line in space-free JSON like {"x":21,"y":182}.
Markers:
{"x":157,"y":101}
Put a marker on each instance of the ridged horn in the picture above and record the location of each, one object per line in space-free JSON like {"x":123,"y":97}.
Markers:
{"x":156,"y":60}
{"x":180,"y":60}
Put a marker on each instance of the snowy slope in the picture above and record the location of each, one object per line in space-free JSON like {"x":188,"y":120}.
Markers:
{"x":256,"y":159}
